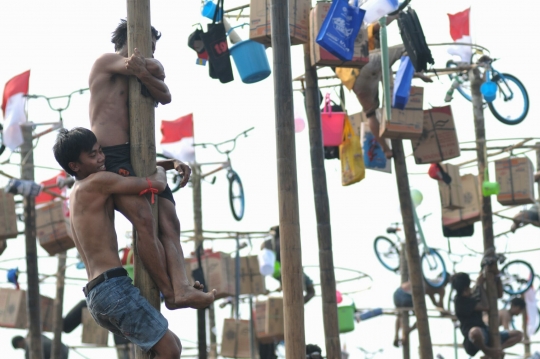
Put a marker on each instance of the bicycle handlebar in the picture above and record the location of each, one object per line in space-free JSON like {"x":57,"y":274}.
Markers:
{"x":60,"y":109}
{"x":216,"y":145}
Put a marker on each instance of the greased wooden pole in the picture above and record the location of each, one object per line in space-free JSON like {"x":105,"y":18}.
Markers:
{"x":58,"y":321}
{"x":404,"y":272}
{"x":142,"y":135}
{"x":289,"y":225}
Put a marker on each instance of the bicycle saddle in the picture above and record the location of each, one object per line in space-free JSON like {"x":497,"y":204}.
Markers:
{"x":391,"y":230}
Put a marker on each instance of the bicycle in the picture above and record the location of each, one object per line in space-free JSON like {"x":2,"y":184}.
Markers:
{"x":433,"y":266}
{"x":510,"y":90}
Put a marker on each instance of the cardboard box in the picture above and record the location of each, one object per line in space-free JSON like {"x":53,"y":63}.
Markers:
{"x":13,"y":310}
{"x":251,"y":279}
{"x":407,"y":123}
{"x":516,"y":180}
{"x":92,"y":332}
{"x":53,"y":228}
{"x":470,"y":213}
{"x":320,"y":56}
{"x":451,"y":194}
{"x":439,"y":140}
{"x":269,"y":322}
{"x":235,"y":339}
{"x":8,"y":217}
{"x":260,"y":28}
{"x":218,"y":272}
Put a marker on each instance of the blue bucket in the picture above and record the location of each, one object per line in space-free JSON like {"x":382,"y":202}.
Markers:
{"x":209,"y":9}
{"x":489,"y":90}
{"x":251,"y":61}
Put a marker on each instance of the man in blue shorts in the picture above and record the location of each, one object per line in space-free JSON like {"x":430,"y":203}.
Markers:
{"x":112,"y":300}
{"x":109,"y":121}
{"x":469,"y":305}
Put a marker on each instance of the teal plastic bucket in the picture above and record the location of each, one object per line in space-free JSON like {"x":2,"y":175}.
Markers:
{"x":346,"y":318}
{"x":251,"y":61}
{"x":489,"y":90}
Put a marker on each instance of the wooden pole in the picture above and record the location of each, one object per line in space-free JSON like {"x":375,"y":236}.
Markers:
{"x":413,"y":254}
{"x":289,"y":226}
{"x":487,"y":218}
{"x":32,"y":294}
{"x":198,"y":234}
{"x":212,"y":325}
{"x":142,"y":135}
{"x":404,"y":271}
{"x":58,"y":322}
{"x":322,"y":210}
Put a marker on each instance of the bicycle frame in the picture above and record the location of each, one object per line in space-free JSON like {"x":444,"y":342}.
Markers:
{"x":223,"y":165}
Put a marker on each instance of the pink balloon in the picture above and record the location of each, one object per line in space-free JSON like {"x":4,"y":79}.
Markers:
{"x":299,"y":124}
{"x":339,"y":297}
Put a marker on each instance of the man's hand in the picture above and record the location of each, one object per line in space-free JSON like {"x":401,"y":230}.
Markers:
{"x":136,"y":63}
{"x":183,"y":170}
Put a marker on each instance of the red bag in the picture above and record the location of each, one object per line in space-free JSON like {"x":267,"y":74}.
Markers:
{"x":332,"y":124}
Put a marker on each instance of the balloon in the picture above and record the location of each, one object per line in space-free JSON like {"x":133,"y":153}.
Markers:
{"x":299,"y":124}
{"x":416,"y":197}
{"x":339,"y":297}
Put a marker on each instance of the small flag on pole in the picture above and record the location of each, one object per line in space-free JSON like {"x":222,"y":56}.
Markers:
{"x":460,"y":33}
{"x":177,"y":140}
{"x":13,"y":102}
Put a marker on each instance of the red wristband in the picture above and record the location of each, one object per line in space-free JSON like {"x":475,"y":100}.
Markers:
{"x":154,"y":191}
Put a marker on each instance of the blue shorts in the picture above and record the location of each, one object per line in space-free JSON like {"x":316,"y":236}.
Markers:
{"x":472,"y":349}
{"x":118,"y":306}
{"x":402,"y":299}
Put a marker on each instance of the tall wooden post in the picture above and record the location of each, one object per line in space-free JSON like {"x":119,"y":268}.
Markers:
{"x":404,"y":271}
{"x":198,"y":232}
{"x":413,"y":254}
{"x":487,"y":217}
{"x":58,"y":322}
{"x":289,"y":226}
{"x":32,"y":293}
{"x":322,"y":210}
{"x":142,"y":134}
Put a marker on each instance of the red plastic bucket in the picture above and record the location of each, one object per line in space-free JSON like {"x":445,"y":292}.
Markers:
{"x":332,"y":125}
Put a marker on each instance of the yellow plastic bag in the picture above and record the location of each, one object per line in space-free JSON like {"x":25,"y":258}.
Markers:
{"x":347,"y":76}
{"x":352,"y":159}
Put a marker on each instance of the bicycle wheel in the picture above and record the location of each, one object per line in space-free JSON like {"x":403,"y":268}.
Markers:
{"x":465,"y":87}
{"x":387,"y":253}
{"x":511,"y":103}
{"x":173,"y":178}
{"x":434,"y":269}
{"x":516,"y":277}
{"x":236,"y":195}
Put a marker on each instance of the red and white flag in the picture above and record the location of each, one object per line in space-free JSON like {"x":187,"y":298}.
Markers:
{"x":460,"y":32}
{"x":177,"y":140}
{"x":13,"y":103}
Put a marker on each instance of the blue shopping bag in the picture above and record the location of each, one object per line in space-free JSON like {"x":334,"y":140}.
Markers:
{"x":340,"y":28}
{"x":373,"y":153}
{"x":402,"y":84}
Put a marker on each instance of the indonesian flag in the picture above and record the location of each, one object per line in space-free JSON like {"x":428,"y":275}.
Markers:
{"x":460,"y":32}
{"x":13,"y":103}
{"x":177,"y":140}
{"x":44,"y":197}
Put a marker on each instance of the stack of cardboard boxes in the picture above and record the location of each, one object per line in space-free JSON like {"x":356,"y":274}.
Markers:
{"x":516,"y":181}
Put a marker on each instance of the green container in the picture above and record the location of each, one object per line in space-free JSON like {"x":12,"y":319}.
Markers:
{"x":346,"y":318}
{"x":129,"y":267}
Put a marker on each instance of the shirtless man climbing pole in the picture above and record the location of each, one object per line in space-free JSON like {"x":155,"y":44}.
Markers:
{"x":112,"y":300}
{"x":109,"y":121}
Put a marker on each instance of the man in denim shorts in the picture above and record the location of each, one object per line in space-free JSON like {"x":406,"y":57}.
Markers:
{"x":112,"y":300}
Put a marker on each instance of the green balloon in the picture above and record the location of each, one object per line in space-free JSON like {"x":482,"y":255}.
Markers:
{"x":416,"y":197}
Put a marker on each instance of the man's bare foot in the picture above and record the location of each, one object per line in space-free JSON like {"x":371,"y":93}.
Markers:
{"x":198,"y":285}
{"x":396,"y":343}
{"x":388,"y":153}
{"x":423,"y":77}
{"x":192,"y":297}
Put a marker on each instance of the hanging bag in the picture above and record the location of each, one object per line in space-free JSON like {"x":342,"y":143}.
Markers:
{"x":215,"y":43}
{"x":402,"y":84}
{"x":340,"y":29}
{"x":374,"y":156}
{"x":350,"y":152}
{"x":332,"y":124}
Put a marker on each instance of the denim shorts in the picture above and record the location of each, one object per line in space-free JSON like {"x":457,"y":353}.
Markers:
{"x":402,"y":299}
{"x":118,"y":306}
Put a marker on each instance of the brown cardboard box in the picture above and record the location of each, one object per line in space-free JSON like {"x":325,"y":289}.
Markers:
{"x":439,"y":140}
{"x":53,"y":228}
{"x":516,"y":180}
{"x":451,"y":194}
{"x":320,"y":56}
{"x":13,"y":310}
{"x":251,"y":279}
{"x":235,"y":339}
{"x":260,"y":28}
{"x":92,"y":332}
{"x":470,"y":213}
{"x":218,"y":273}
{"x":8,"y":218}
{"x":405,"y":123}
{"x":269,"y":323}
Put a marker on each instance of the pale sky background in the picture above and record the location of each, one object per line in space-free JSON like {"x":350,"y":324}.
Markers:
{"x":59,"y":41}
